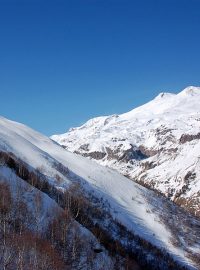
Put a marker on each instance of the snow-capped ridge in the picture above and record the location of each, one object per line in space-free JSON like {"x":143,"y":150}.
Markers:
{"x":190,"y":91}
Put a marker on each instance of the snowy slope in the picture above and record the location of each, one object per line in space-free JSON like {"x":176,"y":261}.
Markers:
{"x":28,"y":194}
{"x":137,"y":208}
{"x":157,"y":145}
{"x":43,"y":211}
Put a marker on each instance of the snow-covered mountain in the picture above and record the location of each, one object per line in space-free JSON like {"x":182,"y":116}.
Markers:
{"x":146,"y":225}
{"x":157,"y":145}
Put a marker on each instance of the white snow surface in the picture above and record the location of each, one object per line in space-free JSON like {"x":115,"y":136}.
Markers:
{"x":128,"y":200}
{"x":157,"y":126}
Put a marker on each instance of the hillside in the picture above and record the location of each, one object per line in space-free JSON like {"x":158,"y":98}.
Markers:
{"x":128,"y":221}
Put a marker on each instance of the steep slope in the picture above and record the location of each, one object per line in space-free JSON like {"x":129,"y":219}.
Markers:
{"x":32,"y":218}
{"x":140,"y":219}
{"x":156,"y":145}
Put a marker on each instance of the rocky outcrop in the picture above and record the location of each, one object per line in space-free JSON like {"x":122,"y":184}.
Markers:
{"x":95,"y":155}
{"x":126,"y":156}
{"x":189,"y":137}
{"x":117,"y":154}
{"x":148,"y":152}
{"x":191,"y":204}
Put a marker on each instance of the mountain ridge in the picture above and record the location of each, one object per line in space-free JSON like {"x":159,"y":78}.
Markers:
{"x":130,"y":210}
{"x":156,"y":145}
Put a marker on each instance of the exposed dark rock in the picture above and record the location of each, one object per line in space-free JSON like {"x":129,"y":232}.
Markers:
{"x":132,"y":153}
{"x":96,"y":155}
{"x":191,"y":204}
{"x":84,"y":147}
{"x":149,"y":165}
{"x":164,"y":135}
{"x":64,"y":146}
{"x":148,"y":152}
{"x":189,"y":176}
{"x":112,"y":154}
{"x":171,"y":150}
{"x":163,"y":130}
{"x":118,"y":154}
{"x":188,"y":137}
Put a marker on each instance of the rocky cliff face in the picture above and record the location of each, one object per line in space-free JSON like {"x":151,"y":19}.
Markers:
{"x":156,"y":145}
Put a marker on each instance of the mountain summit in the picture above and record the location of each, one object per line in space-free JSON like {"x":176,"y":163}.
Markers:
{"x":156,"y":145}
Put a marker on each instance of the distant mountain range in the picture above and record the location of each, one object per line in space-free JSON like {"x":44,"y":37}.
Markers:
{"x":156,"y":145}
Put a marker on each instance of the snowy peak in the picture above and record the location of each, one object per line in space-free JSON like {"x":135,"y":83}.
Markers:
{"x":154,"y":144}
{"x":163,"y":103}
{"x":190,"y":91}
{"x":168,"y":103}
{"x":187,"y":92}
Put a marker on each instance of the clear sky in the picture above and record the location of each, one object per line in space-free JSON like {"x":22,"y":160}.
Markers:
{"x":63,"y":62}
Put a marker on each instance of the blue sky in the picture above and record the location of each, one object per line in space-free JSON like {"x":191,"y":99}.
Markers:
{"x":63,"y":62}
